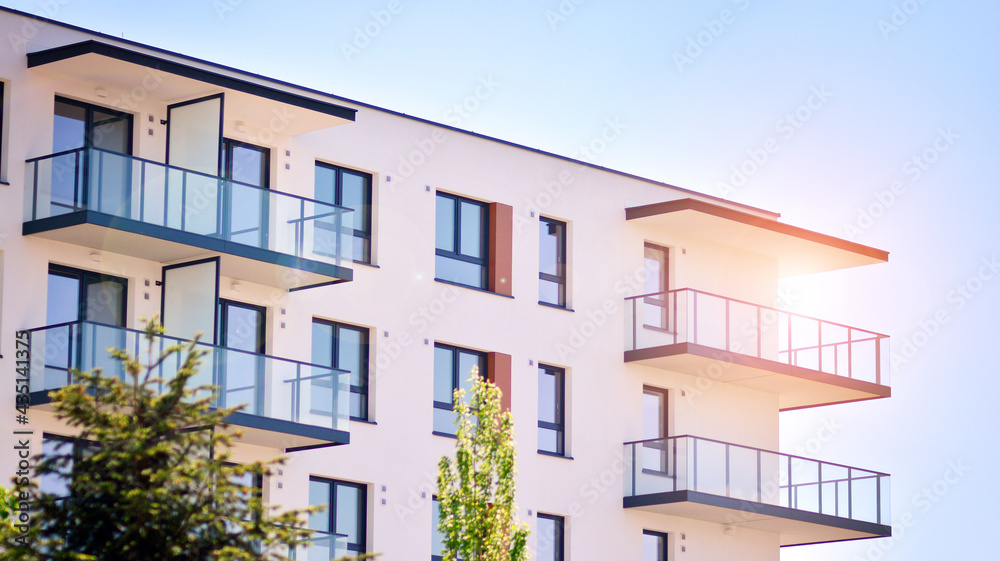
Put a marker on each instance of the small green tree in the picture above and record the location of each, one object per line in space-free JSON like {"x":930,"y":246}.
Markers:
{"x":476,"y":488}
{"x":156,"y":485}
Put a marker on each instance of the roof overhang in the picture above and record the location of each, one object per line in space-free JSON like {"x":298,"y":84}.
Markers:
{"x":797,"y":250}
{"x":135,"y":76}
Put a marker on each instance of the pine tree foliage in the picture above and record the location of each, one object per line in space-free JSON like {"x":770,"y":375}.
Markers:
{"x":156,"y":483}
{"x":476,"y":487}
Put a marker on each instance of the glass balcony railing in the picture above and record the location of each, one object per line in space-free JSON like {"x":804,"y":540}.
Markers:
{"x":187,"y":201}
{"x":265,"y":386}
{"x":323,"y":546}
{"x":692,"y":316}
{"x":688,"y":463}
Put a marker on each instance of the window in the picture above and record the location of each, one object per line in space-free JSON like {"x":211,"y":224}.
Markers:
{"x":344,"y":515}
{"x":551,"y":410}
{"x":654,"y":429}
{"x":552,"y":262}
{"x":656,"y":285}
{"x":248,"y":166}
{"x":75,"y":295}
{"x":462,"y":241}
{"x":549,"y":540}
{"x":82,"y":125}
{"x":654,"y":546}
{"x":351,"y":189}
{"x":241,"y":374}
{"x":453,"y":367}
{"x":58,"y":483}
{"x":344,"y":347}
{"x":437,"y":541}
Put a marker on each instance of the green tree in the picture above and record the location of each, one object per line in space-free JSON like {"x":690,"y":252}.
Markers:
{"x":476,"y":488}
{"x":156,"y":484}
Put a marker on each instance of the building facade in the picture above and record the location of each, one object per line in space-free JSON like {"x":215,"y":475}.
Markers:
{"x":348,"y":266}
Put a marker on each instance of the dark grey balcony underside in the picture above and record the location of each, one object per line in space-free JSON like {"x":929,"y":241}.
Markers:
{"x":796,"y":527}
{"x":106,"y":232}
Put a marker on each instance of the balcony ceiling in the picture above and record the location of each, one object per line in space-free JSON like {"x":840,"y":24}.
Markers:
{"x":130,"y":75}
{"x":797,"y":250}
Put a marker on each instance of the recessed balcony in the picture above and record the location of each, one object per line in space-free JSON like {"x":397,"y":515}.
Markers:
{"x":287,"y":404}
{"x":803,"y":500}
{"x":805,"y":361}
{"x":114,"y":202}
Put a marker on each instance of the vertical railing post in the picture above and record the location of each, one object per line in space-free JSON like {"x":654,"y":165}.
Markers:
{"x":34,"y":191}
{"x":878,"y":360}
{"x":819,"y":349}
{"x":635,"y":472}
{"x":760,"y":476}
{"x":635,"y":322}
{"x":878,"y":499}
{"x":676,"y":329}
{"x":819,"y":488}
{"x":728,"y":490}
{"x":694,"y":318}
{"x":850,"y":497}
{"x":790,"y":482}
{"x":760,"y":334}
{"x":694,"y":463}
{"x":727,"y":330}
{"x":675,"y":462}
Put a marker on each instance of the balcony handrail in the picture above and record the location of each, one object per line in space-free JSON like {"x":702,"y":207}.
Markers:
{"x":337,"y":209}
{"x":782,"y":454}
{"x":738,"y":301}
{"x":181,"y":340}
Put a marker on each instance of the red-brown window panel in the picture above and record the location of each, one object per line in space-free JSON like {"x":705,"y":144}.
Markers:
{"x":498,"y":372}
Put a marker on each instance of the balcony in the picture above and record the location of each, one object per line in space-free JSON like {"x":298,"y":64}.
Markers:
{"x":323,"y":546}
{"x":805,"y":361}
{"x":119,"y":203}
{"x":804,"y":501}
{"x":287,"y":405}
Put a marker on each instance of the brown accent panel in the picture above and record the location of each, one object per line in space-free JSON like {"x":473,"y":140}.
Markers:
{"x":498,"y":372}
{"x":501,"y":249}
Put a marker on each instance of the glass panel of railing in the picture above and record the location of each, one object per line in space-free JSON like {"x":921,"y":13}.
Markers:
{"x":629,"y":463}
{"x":743,"y":328}
{"x":865,"y":488}
{"x":322,"y":547}
{"x":710,"y":321}
{"x":710,"y":467}
{"x":54,"y":185}
{"x":744,"y":476}
{"x":833,"y":349}
{"x":865,"y":360}
{"x":308,"y":394}
{"x":884,"y":500}
{"x":773,"y":476}
{"x":804,"y":482}
{"x":657,"y":468}
{"x":833,"y":491}
{"x":803,"y":350}
{"x":313,"y":230}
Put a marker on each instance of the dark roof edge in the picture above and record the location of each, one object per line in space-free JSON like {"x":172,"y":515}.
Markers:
{"x":752,"y":220}
{"x":384,"y":110}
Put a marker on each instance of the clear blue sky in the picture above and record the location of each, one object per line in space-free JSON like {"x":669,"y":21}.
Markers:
{"x":845,"y":94}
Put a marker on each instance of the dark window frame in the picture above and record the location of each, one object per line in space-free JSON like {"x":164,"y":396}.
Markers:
{"x":561,"y":261}
{"x":484,"y":240}
{"x":560,"y":425}
{"x":84,"y":276}
{"x":90,"y":124}
{"x":664,"y":544}
{"x":456,"y":376}
{"x":559,"y":545}
{"x":361,"y":546}
{"x":361,"y":390}
{"x":364,"y":234}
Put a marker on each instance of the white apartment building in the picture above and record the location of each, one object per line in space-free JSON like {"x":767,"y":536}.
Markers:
{"x":348,"y":265}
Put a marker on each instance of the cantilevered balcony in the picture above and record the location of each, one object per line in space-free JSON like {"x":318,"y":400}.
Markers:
{"x":113,"y":202}
{"x":805,"y":361}
{"x":802,"y":500}
{"x":287,"y":404}
{"x":323,"y":546}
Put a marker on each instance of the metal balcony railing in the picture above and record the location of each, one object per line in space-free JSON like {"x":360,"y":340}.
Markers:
{"x":689,"y":463}
{"x":692,"y":316}
{"x":149,"y":192}
{"x":266,"y":386}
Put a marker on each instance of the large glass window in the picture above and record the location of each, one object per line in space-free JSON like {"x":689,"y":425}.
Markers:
{"x":344,"y":347}
{"x":552,"y":262}
{"x":350,"y":189}
{"x":654,"y":546}
{"x":656,"y":284}
{"x":453,"y":368}
{"x":75,"y":295}
{"x":462,"y":241}
{"x":551,"y":409}
{"x":549,"y":540}
{"x":344,"y":514}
